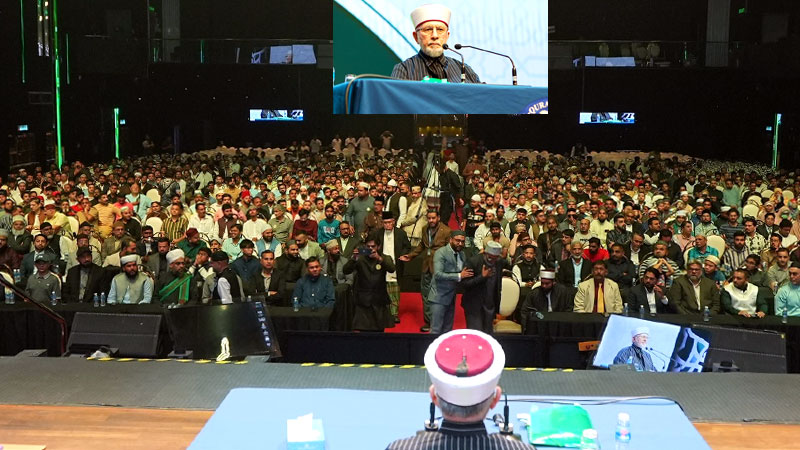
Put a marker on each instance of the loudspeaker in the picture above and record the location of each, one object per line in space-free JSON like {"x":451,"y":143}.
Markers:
{"x":749,"y":350}
{"x":135,"y":335}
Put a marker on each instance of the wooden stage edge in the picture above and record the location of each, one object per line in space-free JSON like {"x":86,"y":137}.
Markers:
{"x":103,"y":427}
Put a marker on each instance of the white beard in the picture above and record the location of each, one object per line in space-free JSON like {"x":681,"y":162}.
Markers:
{"x":16,"y":232}
{"x":432,"y":52}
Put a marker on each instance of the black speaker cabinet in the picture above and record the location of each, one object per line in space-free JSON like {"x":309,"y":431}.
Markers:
{"x":749,"y":350}
{"x":135,"y":335}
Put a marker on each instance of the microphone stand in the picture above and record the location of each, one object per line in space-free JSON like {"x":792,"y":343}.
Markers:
{"x":43,"y":308}
{"x":463,"y":68}
{"x":513,"y":66}
{"x":660,"y":356}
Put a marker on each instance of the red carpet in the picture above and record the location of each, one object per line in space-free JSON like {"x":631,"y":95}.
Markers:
{"x":410,"y":312}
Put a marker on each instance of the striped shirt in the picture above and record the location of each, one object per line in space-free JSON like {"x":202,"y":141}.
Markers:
{"x":174,"y":229}
{"x":451,"y":435}
{"x":421,"y":65}
{"x":733,"y":259}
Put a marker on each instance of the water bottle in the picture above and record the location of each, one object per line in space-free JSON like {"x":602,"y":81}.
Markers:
{"x":102,"y":299}
{"x":296,"y":304}
{"x":249,"y":299}
{"x":622,"y":436}
{"x":10,"y":299}
{"x":625,"y":309}
{"x":785,"y":317}
{"x":17,"y":276}
{"x":96,"y":300}
{"x":706,"y":314}
{"x":53,"y":298}
{"x":589,"y":440}
{"x":641,"y":311}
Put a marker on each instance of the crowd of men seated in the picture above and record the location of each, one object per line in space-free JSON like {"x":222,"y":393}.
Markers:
{"x":659,"y":235}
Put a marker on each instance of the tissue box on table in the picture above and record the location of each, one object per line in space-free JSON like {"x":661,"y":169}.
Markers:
{"x":305,"y":433}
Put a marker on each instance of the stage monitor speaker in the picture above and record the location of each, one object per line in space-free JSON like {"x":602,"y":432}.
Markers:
{"x":749,"y":350}
{"x":136,"y":335}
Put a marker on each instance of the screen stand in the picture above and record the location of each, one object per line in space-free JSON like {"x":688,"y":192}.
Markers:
{"x":186,"y":354}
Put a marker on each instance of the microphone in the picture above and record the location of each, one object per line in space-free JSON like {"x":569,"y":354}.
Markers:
{"x":513,"y":66}
{"x":432,"y":424}
{"x":463,"y":68}
{"x":664,"y":358}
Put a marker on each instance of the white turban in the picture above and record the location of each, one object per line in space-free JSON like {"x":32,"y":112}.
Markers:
{"x":174,"y":255}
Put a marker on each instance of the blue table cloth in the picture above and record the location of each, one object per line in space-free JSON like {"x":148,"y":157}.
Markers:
{"x":371,"y":96}
{"x":251,"y":418}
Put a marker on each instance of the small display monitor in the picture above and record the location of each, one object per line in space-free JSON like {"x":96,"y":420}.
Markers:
{"x":614,"y":118}
{"x":292,"y":54}
{"x":22,"y":127}
{"x":245,"y":327}
{"x":281,"y":115}
{"x":651,"y":346}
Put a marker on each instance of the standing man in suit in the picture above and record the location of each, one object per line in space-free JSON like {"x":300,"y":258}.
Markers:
{"x":347,"y":241}
{"x":393,"y":242}
{"x":482,"y":291}
{"x":650,"y":293}
{"x":683,"y":295}
{"x":84,"y":280}
{"x":599,"y":294}
{"x":449,"y":269}
{"x":574,"y":269}
{"x":435,"y":235}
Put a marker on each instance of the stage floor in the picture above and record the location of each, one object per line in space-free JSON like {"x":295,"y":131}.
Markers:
{"x":169,"y":384}
{"x":70,"y":403}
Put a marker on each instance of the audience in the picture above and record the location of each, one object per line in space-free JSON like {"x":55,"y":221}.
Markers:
{"x":256,"y":223}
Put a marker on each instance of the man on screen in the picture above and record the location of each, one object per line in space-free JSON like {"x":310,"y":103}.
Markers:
{"x":431,"y":31}
{"x":636,"y":354}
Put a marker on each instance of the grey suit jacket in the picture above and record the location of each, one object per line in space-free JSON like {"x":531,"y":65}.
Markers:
{"x":446,"y":275}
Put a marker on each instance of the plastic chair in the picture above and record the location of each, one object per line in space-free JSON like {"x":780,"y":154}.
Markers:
{"x":509,"y":298}
{"x":718,"y":243}
{"x":750,"y":210}
{"x":153,"y":195}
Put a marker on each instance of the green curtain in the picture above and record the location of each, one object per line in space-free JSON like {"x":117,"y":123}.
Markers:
{"x":356,"y":49}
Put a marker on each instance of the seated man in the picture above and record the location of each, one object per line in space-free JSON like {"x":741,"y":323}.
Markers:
{"x":743,"y":298}
{"x":290,"y":264}
{"x":464,"y":396}
{"x":201,"y":271}
{"x":268,"y":281}
{"x":127,"y":247}
{"x":130,"y":286}
{"x":711,"y":270}
{"x":174,"y":286}
{"x":621,"y":269}
{"x":526,"y":272}
{"x":661,"y":262}
{"x":84,"y":280}
{"x":636,"y":354}
{"x":247,"y":265}
{"x":701,"y":249}
{"x":788,"y":297}
{"x":313,"y":290}
{"x":226,"y":287}
{"x":192,"y":244}
{"x":683,"y":295}
{"x":42,"y":283}
{"x":598,"y":294}
{"x":595,"y":252}
{"x":549,"y":296}
{"x":333,"y":264}
{"x":574,"y":269}
{"x":649,"y":294}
